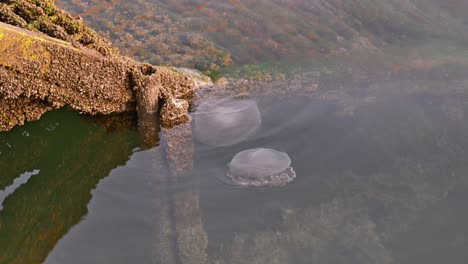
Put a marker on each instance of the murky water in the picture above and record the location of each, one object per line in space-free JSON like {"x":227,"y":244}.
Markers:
{"x":382,"y":184}
{"x":378,"y":143}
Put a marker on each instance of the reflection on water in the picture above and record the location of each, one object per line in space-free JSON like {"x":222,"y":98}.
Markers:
{"x":379,"y":143}
{"x":122,"y":220}
{"x":22,"y":179}
{"x":71,"y":155}
{"x":374,"y":183}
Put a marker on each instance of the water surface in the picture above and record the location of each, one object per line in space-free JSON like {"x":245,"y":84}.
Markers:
{"x":377,"y":134}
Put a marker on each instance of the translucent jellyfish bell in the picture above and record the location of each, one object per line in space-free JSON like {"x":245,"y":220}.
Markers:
{"x":261,"y":167}
{"x":225,"y":122}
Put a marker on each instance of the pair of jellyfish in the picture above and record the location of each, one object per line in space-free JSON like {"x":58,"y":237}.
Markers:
{"x":228,"y":121}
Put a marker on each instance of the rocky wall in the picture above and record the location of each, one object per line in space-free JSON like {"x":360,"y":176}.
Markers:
{"x":39,"y":73}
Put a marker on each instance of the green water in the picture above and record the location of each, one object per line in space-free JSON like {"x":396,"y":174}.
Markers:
{"x":385,"y":183}
{"x":378,"y":138}
{"x":71,"y":155}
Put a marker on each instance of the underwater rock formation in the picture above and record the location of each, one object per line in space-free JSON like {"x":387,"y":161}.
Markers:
{"x":179,"y":147}
{"x":333,"y":232}
{"x":210,"y":35}
{"x":261,"y":167}
{"x":228,"y":121}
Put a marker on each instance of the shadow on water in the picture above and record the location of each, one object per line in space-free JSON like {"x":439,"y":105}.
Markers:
{"x":69,"y":156}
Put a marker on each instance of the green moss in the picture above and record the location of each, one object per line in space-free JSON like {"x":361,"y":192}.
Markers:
{"x":36,"y":2}
{"x":214,"y":75}
{"x":36,"y":23}
{"x":267,"y":70}
{"x":44,"y":16}
{"x":49,"y":10}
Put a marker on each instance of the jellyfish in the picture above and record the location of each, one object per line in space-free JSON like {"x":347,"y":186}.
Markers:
{"x":261,"y":167}
{"x":227,"y":121}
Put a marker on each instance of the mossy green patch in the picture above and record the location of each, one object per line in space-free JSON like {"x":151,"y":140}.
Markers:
{"x":49,"y":10}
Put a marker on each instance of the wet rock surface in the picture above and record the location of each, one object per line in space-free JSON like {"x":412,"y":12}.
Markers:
{"x":174,"y":112}
{"x":50,"y":73}
{"x":46,"y":17}
{"x":51,"y":59}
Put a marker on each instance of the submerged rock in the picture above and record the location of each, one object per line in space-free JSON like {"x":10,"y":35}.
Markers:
{"x":261,"y":167}
{"x":174,"y":112}
{"x":227,"y":121}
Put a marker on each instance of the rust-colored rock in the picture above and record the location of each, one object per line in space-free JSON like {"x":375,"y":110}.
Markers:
{"x":174,"y":112}
{"x":44,"y":16}
{"x":39,"y":73}
{"x":20,"y":110}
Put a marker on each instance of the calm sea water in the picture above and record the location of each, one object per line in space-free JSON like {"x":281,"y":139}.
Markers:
{"x":381,"y":164}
